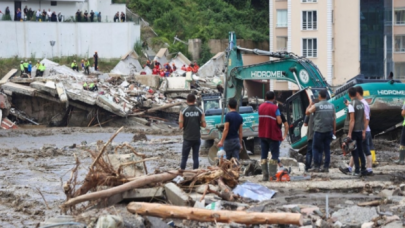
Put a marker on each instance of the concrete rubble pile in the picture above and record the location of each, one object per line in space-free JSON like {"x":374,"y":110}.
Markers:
{"x":124,"y":92}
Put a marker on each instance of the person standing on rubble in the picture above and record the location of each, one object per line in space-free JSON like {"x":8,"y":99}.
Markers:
{"x":26,"y":66}
{"x":324,"y":129}
{"x":86,"y":66}
{"x":29,"y":68}
{"x":309,"y":122}
{"x":22,"y":68}
{"x":367,"y":142}
{"x":95,"y":58}
{"x":355,"y":126}
{"x":41,"y":70}
{"x":401,"y":160}
{"x":270,"y":136}
{"x":190,"y":120}
{"x":232,"y":135}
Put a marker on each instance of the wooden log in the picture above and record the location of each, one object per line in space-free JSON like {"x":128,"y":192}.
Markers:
{"x":226,"y":192}
{"x":137,"y":183}
{"x":205,"y":215}
{"x":370,"y":203}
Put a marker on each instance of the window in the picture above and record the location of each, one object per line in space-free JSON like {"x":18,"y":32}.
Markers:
{"x":309,"y":48}
{"x":282,"y":43}
{"x":399,"y":16}
{"x":308,"y":1}
{"x":282,"y":20}
{"x":400,"y":43}
{"x":54,"y":3}
{"x":309,"y":20}
{"x":399,"y":71}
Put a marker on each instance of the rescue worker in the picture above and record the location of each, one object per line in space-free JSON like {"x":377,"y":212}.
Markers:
{"x":324,"y":129}
{"x":190,"y":120}
{"x":270,"y":135}
{"x":367,"y":142}
{"x":85,"y":86}
{"x":93,"y":87}
{"x":184,"y":68}
{"x":195,"y":67}
{"x":82,"y":64}
{"x":401,"y":160}
{"x":74,"y":66}
{"x":309,"y":122}
{"x":41,"y":70}
{"x":95,"y":59}
{"x":174,"y":67}
{"x":22,"y":68}
{"x":26,"y":66}
{"x":86,"y":66}
{"x":29,"y":68}
{"x":37,"y":65}
{"x":147,"y":64}
{"x":355,"y":126}
{"x":189,"y":68}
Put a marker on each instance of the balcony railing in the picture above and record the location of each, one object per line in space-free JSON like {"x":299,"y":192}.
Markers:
{"x":309,"y":25}
{"x":309,"y":53}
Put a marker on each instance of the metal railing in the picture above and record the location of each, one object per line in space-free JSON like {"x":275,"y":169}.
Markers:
{"x":312,"y":25}
{"x":310,"y":53}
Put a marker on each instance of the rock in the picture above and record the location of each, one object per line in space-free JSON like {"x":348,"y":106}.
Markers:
{"x":289,"y":162}
{"x":139,"y":137}
{"x":355,"y":215}
{"x":367,"y":225}
{"x":176,"y":195}
{"x":319,"y":213}
{"x":386,"y":193}
{"x":321,"y":223}
{"x":201,"y":188}
{"x":110,"y":221}
{"x":337,"y":224}
{"x":309,"y":210}
{"x":349,"y":202}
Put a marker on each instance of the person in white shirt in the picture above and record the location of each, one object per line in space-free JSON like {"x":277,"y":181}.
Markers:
{"x":38,"y":14}
{"x":49,"y":14}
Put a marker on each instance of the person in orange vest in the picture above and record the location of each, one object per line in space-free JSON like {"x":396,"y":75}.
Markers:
{"x":155,"y":71}
{"x":162,"y":73}
{"x":183,"y":68}
{"x":174,"y":67}
{"x":189,"y":68}
{"x":147,"y":64}
{"x":196,"y":67}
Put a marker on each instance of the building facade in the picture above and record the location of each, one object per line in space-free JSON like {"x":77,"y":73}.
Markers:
{"x":344,"y":38}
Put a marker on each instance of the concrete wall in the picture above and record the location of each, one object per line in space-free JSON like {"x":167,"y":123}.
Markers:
{"x":69,"y":9}
{"x":26,"y":39}
{"x":219,"y":45}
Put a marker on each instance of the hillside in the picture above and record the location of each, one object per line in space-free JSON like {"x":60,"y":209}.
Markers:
{"x":204,"y":19}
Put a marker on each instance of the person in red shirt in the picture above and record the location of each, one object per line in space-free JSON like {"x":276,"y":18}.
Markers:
{"x":183,"y":68}
{"x":155,"y":71}
{"x":189,"y":68}
{"x":270,"y":135}
{"x":162,"y":73}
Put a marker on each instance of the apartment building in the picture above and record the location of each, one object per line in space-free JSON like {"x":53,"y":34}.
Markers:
{"x":344,"y":38}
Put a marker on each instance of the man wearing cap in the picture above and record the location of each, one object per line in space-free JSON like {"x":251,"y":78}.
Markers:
{"x":95,"y":57}
{"x":74,"y":66}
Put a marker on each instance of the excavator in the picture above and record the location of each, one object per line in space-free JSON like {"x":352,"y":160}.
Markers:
{"x":385,"y":97}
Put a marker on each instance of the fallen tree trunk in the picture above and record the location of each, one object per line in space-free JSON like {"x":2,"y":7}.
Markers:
{"x":205,"y":215}
{"x":137,"y":183}
{"x":370,"y":203}
{"x":226,"y":192}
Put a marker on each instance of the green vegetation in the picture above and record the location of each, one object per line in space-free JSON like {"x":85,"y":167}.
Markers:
{"x":7,"y":64}
{"x":204,"y":19}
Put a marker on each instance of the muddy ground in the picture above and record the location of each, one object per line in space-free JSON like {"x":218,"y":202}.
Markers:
{"x":29,"y":167}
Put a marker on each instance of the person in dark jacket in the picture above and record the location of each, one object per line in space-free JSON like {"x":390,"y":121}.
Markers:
{"x":53,"y":17}
{"x":86,"y":16}
{"x":18,"y":15}
{"x":92,"y":16}
{"x":99,"y":17}
{"x":117,"y":17}
{"x":122,"y":17}
{"x":78,"y":16}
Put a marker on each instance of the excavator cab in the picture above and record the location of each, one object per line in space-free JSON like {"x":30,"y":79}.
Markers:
{"x":296,"y":106}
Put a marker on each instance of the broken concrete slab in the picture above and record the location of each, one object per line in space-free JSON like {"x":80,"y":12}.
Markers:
{"x":82,"y":95}
{"x":107,"y":101}
{"x":6,"y":77}
{"x":176,"y":195}
{"x":214,"y":66}
{"x":17,"y":88}
{"x":156,"y":222}
{"x":43,"y":87}
{"x":143,"y":194}
{"x":152,"y":81}
{"x":27,"y":80}
{"x":133,"y":170}
{"x":177,"y":84}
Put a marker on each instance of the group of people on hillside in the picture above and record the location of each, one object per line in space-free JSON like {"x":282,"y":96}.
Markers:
{"x":119,"y":16}
{"x":166,"y":70}
{"x":88,"y":17}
